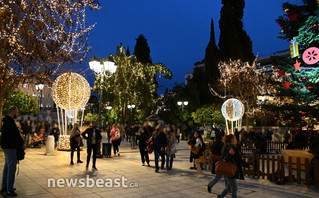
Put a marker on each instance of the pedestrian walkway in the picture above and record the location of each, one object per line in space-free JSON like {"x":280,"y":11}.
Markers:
{"x":37,"y":168}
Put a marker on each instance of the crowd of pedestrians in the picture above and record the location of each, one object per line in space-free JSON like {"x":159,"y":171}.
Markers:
{"x":160,"y":140}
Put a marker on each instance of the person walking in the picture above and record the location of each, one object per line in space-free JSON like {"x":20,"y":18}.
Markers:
{"x":216,"y":154}
{"x":27,"y":130}
{"x":170,"y":148}
{"x":116,"y":139}
{"x":160,"y":143}
{"x":231,"y":154}
{"x":196,"y":145}
{"x":133,"y":132}
{"x":75,"y":141}
{"x":92,"y":135}
{"x":143,"y":135}
{"x":11,"y":142}
{"x":177,"y":132}
{"x":56,"y":133}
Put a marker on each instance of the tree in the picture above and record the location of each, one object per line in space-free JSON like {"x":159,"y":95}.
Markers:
{"x":295,"y":80}
{"x":211,"y":58}
{"x":200,"y":82}
{"x":25,"y":103}
{"x":142,"y":50}
{"x":208,"y":115}
{"x":295,"y":17}
{"x":89,"y":117}
{"x":180,"y":92}
{"x":234,"y":42}
{"x":142,"y":53}
{"x":131,"y":84}
{"x":241,"y":80}
{"x":38,"y":37}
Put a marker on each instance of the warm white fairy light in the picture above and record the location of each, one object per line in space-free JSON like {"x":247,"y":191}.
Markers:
{"x":41,"y":36}
{"x":242,"y":80}
{"x":71,"y":91}
{"x":233,"y":109}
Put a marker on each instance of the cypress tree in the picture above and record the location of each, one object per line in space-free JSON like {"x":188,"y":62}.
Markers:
{"x":234,"y":42}
{"x":142,"y":50}
{"x":211,"y":57}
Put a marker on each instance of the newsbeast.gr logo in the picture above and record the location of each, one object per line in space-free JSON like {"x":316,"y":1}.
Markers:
{"x":90,"y":183}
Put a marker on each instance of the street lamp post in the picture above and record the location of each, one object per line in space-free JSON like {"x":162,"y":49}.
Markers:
{"x":182,"y":104}
{"x":39,"y":88}
{"x":131,"y":107}
{"x":100,"y":68}
{"x":108,"y":108}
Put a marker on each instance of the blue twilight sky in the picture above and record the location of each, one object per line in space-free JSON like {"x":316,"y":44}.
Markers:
{"x":177,"y":30}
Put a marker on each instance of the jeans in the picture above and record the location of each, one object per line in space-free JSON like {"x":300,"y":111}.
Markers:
{"x":9,"y":170}
{"x":72,"y":153}
{"x":169,"y":161}
{"x":231,"y":186}
{"x":89,"y":151}
{"x":157,"y":155}
{"x":144,"y":155}
{"x":115,"y":144}
{"x":217,"y":178}
{"x":133,"y":141}
{"x":27,"y":139}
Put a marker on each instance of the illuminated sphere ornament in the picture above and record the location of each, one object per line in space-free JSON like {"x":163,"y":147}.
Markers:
{"x":71,"y":91}
{"x":233,"y":109}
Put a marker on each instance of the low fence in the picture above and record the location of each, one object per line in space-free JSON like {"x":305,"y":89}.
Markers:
{"x":272,"y":146}
{"x":276,"y":169}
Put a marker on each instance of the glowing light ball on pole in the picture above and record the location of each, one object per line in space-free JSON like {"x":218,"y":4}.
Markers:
{"x":233,"y":110}
{"x":70,"y":92}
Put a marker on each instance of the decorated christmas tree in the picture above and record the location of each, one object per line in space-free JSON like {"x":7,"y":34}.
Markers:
{"x":296,"y":77}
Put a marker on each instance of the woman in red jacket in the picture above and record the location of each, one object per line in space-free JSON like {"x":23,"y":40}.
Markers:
{"x":116,"y":139}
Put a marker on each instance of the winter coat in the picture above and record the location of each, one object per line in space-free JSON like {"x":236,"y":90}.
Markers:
{"x":88,"y":135}
{"x":10,"y":138}
{"x":159,"y":142}
{"x":75,"y":138}
{"x":171,"y":139}
{"x":236,"y":159}
{"x":145,"y":135}
{"x":113,"y":133}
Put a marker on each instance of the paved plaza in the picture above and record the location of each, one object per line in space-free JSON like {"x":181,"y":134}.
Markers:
{"x":37,"y":168}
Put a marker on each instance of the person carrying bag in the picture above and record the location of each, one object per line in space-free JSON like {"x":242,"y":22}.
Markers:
{"x":231,"y":166}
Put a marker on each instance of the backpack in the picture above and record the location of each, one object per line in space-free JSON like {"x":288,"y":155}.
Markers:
{"x":117,"y":134}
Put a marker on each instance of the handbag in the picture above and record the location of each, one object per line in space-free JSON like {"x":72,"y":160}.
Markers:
{"x":174,"y":149}
{"x":150,"y":145}
{"x":228,"y":169}
{"x":195,"y":149}
{"x":20,"y":153}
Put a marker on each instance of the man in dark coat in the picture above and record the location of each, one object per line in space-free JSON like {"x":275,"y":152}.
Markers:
{"x":27,"y":131}
{"x":160,"y":142}
{"x":56,"y":133}
{"x":11,"y":140}
{"x":144,"y":135}
{"x":93,"y":136}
